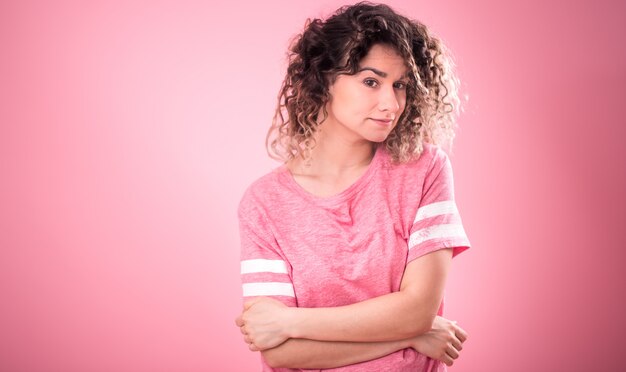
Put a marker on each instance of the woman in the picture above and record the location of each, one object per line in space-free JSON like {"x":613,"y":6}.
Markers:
{"x":346,"y":246}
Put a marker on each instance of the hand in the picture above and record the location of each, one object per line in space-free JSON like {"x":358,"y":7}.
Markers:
{"x":443,"y":342}
{"x":262,"y":323}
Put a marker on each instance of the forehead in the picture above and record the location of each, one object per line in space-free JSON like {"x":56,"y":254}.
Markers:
{"x":384,"y":58}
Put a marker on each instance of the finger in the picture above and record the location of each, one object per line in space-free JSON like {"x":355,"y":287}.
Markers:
{"x":452,"y":352}
{"x":239,"y":321}
{"x":247,"y":339}
{"x":243,"y":330}
{"x":457,"y":344}
{"x":252,"y":347}
{"x":460,"y":333}
{"x":447,"y":360}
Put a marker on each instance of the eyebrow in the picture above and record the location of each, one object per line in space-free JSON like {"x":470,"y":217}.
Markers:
{"x":380,"y":73}
{"x":377,"y":72}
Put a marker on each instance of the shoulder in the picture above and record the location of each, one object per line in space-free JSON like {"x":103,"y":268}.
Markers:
{"x":259,"y":192}
{"x":438,"y":157}
{"x":434,"y":155}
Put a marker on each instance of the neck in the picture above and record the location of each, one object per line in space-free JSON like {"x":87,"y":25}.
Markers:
{"x":335,"y":156}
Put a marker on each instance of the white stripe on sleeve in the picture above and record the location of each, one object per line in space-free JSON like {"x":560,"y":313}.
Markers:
{"x":268,"y":289}
{"x":436,"y":231}
{"x":436,"y":209}
{"x":263,"y":266}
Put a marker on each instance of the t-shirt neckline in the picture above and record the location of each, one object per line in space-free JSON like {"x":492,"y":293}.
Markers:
{"x":342,"y":196}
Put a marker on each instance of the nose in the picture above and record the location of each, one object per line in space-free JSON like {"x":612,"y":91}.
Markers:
{"x":388,"y":100}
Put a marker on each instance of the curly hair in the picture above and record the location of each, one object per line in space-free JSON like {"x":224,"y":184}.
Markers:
{"x":335,"y":46}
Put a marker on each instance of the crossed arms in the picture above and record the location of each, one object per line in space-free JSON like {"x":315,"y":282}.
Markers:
{"x":337,"y":336}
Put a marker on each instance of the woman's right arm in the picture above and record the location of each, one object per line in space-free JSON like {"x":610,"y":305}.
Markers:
{"x":302,"y":353}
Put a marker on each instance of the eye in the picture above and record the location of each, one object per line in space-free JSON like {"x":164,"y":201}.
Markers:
{"x":372,"y":83}
{"x":400,"y":85}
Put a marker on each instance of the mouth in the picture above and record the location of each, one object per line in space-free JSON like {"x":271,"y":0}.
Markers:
{"x":384,"y":122}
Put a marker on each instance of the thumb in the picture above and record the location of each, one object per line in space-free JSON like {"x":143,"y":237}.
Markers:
{"x":248,"y":304}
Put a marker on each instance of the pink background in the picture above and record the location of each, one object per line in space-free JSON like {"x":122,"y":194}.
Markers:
{"x":129,"y":131}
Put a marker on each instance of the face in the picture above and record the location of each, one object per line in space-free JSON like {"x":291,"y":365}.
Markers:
{"x":366,"y":106}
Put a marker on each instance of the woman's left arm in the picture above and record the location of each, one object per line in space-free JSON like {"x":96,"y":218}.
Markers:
{"x":394,"y":316}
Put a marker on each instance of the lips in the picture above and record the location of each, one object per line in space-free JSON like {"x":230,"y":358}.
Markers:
{"x":383,"y":121}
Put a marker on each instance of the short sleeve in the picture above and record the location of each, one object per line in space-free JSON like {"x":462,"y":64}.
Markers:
{"x":437,"y":223}
{"x":264,"y":271}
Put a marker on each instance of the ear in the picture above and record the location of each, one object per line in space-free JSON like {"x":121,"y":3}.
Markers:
{"x":331,"y":79}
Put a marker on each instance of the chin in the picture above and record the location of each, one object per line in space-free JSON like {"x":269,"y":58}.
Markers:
{"x":378,"y":137}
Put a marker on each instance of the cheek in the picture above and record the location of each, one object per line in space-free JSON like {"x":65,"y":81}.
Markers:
{"x":402,"y":102}
{"x":353,"y":103}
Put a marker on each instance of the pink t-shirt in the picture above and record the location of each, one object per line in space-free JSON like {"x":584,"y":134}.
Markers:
{"x":311,"y":251}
